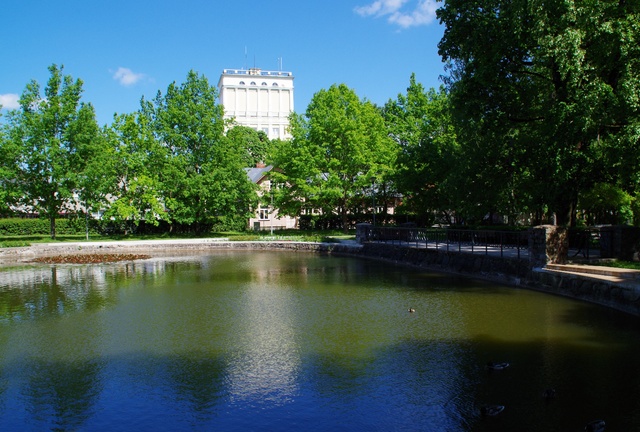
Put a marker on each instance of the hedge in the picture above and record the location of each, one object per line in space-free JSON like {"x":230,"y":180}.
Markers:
{"x":28,"y":227}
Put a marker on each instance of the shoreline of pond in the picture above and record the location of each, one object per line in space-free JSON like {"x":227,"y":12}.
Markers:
{"x":623,"y":296}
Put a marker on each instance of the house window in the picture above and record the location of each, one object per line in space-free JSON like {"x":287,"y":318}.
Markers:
{"x":276,"y":132}
{"x":241,"y":82}
{"x":263,"y":213}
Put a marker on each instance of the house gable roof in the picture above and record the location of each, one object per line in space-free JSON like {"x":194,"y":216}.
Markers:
{"x":256,"y":174}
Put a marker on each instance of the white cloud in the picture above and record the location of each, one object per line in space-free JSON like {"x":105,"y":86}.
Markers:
{"x":380,"y":7}
{"x":127,"y":77}
{"x":422,"y":14}
{"x":9,"y":101}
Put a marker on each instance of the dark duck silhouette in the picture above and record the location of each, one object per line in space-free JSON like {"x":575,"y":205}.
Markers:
{"x":595,"y":426}
{"x":497,"y":365}
{"x":491,"y":410}
{"x":549,"y":393}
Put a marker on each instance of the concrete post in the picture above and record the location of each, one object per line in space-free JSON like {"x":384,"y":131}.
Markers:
{"x":548,"y":244}
{"x":362,"y":232}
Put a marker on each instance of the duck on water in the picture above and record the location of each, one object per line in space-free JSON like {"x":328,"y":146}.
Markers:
{"x":497,"y":365}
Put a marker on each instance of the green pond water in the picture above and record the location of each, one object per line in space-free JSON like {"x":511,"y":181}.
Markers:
{"x":277,"y":341}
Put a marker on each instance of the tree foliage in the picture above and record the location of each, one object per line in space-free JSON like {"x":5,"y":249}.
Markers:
{"x":339,"y":148}
{"x":540,"y":115}
{"x":420,"y":124}
{"x":137,"y":165}
{"x":203,"y":178}
{"x":255,"y":145}
{"x":9,"y":155}
{"x":548,"y":91}
{"x":52,"y":138}
{"x":176,"y":165}
{"x":607,"y":204}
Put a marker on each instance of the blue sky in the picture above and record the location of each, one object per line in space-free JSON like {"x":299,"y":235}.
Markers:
{"x":123,"y":50}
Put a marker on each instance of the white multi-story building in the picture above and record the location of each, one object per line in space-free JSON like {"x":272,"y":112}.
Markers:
{"x":259,"y":99}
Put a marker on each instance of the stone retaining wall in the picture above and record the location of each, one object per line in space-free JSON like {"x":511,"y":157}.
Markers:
{"x":22,"y":254}
{"x":622,"y":296}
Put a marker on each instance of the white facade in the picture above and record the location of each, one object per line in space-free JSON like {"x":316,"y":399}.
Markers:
{"x":261,"y":100}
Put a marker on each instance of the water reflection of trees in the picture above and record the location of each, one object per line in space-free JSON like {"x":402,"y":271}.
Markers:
{"x":62,"y":394}
{"x":198,"y":381}
{"x":37,"y":291}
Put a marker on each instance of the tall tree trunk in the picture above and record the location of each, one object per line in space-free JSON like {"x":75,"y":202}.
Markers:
{"x":86,"y":223}
{"x":566,"y":213}
{"x":52,"y":226}
{"x":345,"y":222}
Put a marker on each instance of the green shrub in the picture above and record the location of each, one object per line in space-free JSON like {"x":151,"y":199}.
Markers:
{"x":29,"y":227}
{"x":607,"y":204}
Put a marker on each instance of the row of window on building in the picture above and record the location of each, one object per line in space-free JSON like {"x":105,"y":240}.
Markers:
{"x":254,"y":83}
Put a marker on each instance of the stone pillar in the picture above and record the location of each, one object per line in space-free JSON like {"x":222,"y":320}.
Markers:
{"x":362,"y":232}
{"x":548,"y":244}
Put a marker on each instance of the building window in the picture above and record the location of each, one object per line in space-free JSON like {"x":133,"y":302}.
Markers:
{"x":276,"y":132}
{"x":253,"y":83}
{"x":275,"y":84}
{"x":241,"y":82}
{"x":263,"y":213}
{"x":264,"y":83}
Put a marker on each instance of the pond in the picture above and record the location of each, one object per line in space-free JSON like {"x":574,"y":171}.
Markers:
{"x":275,"y":341}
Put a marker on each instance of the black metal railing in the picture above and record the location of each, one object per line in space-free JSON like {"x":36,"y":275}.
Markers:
{"x":513,"y":243}
{"x":590,"y":242}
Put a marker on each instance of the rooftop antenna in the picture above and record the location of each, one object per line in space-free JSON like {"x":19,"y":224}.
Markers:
{"x":280,"y":64}
{"x":245,"y":57}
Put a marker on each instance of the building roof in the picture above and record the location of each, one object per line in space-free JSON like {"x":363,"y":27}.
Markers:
{"x":256,"y":72}
{"x":256,"y":174}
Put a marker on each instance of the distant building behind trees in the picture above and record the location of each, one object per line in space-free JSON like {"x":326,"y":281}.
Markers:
{"x":259,"y":99}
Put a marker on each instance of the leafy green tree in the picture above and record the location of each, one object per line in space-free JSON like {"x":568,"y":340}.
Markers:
{"x":174,"y":163}
{"x":203,"y":180}
{"x":548,"y":91}
{"x":339,"y":147}
{"x":135,"y":167}
{"x":420,"y":123}
{"x":255,"y":145}
{"x":91,"y":164}
{"x":9,"y":156}
{"x":53,"y":133}
{"x":606,"y":204}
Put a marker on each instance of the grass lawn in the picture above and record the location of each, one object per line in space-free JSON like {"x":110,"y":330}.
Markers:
{"x":633,"y":265}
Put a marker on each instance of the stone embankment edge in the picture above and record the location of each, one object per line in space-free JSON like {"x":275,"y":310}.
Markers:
{"x":160,"y":248}
{"x":621,"y":296}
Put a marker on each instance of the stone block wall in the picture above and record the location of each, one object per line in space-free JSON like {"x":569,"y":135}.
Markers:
{"x":548,"y":244}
